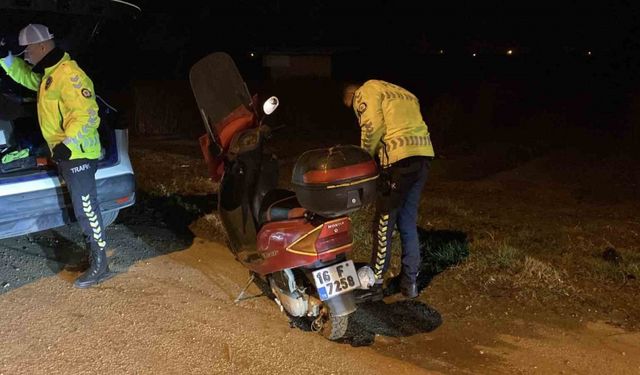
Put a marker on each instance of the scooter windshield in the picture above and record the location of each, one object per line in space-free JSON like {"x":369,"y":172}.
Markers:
{"x":219,"y":90}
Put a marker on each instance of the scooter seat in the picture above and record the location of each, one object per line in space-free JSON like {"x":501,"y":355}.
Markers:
{"x":278,"y":205}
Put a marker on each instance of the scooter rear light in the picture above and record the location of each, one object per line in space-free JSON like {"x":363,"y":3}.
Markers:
{"x":334,"y":235}
{"x":306,"y":244}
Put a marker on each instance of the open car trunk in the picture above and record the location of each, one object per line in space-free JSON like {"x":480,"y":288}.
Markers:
{"x":83,"y":28}
{"x":20,"y":133}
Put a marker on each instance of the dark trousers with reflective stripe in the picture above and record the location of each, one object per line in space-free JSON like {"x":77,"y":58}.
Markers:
{"x":397,"y":203}
{"x":79,"y":176}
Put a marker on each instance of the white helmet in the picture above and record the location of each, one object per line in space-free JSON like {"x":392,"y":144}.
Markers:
{"x":34,"y":33}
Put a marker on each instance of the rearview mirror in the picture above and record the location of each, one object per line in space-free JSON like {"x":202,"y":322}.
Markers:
{"x":270,"y":105}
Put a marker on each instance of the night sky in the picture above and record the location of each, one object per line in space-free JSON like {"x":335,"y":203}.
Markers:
{"x":166,"y":39}
{"x":430,"y":46}
{"x":364,"y":24}
{"x":174,"y":37}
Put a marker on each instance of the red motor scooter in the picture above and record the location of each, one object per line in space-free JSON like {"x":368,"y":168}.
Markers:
{"x":295,"y":242}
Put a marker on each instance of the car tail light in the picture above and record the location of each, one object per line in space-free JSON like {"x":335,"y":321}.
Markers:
{"x":122,"y":200}
{"x":333,"y":235}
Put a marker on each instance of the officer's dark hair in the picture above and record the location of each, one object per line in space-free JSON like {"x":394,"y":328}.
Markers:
{"x":350,"y":82}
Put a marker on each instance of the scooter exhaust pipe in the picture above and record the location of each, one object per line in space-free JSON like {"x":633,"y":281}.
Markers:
{"x":343,"y":304}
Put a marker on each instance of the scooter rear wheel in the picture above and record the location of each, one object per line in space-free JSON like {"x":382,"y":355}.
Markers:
{"x":332,"y":327}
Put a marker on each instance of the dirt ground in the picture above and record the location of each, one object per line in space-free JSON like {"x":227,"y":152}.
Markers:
{"x":549,"y":285}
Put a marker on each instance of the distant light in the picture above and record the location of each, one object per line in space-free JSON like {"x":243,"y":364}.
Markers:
{"x":474,"y":55}
{"x":510,"y":52}
{"x":589,"y":53}
{"x":442,"y":52}
{"x":252,"y":54}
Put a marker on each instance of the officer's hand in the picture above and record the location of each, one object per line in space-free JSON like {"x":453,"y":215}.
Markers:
{"x":8,"y":60}
{"x":61,"y":152}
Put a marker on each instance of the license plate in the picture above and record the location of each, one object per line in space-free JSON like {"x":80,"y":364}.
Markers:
{"x":335,"y":280}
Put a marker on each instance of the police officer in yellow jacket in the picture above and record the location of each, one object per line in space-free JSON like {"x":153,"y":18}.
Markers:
{"x":68,"y":117}
{"x":393,"y":131}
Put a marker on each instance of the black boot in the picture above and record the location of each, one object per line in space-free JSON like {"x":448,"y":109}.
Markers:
{"x":409,"y":288}
{"x":99,"y":270}
{"x":373,"y":294}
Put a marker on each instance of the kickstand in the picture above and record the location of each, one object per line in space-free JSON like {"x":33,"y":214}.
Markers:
{"x":239,"y":298}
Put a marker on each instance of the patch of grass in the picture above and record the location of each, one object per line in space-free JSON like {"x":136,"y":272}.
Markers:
{"x":536,"y":273}
{"x":633,"y":270}
{"x":447,"y":206}
{"x":494,"y":256}
{"x":630,"y":264}
{"x":496,"y":267}
{"x":507,"y":257}
{"x":628,"y":268}
{"x":209,"y":226}
{"x":442,"y":249}
{"x":180,"y":185}
{"x":600,"y":270}
{"x":175,"y":212}
{"x":362,"y":230}
{"x":165,"y":174}
{"x":162,"y":190}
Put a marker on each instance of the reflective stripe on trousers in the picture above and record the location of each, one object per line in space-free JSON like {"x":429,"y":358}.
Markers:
{"x":79,"y":177}
{"x":397,"y":203}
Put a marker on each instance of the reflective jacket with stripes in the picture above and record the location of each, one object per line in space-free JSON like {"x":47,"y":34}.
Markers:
{"x":67,"y":108}
{"x":391,"y":123}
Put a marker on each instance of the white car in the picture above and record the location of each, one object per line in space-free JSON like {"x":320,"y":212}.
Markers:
{"x":32,"y":196}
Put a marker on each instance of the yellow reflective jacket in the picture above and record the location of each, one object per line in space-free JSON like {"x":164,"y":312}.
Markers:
{"x":391,"y":123}
{"x":67,"y":108}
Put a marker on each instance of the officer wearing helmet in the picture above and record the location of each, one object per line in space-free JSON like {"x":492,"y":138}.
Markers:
{"x":68,"y":117}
